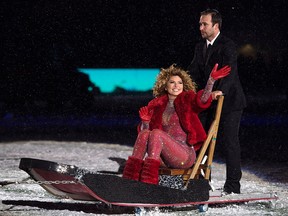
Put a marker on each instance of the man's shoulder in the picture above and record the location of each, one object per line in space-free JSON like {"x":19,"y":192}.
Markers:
{"x":200,"y":45}
{"x":221,"y":39}
{"x":224,"y":40}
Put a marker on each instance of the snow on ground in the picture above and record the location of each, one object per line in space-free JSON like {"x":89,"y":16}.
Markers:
{"x":97,"y":156}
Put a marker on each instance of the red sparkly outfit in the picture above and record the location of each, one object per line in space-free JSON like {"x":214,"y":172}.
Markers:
{"x":170,"y":131}
{"x":174,"y":132}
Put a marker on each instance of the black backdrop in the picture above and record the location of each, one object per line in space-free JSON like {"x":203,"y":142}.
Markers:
{"x":44,"y":42}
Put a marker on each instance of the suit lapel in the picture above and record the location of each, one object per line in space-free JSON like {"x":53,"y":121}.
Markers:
{"x":215,"y":44}
{"x":209,"y":51}
{"x":204,"y":50}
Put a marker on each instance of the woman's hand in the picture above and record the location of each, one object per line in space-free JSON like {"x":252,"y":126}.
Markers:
{"x":218,"y":74}
{"x":145,"y":114}
{"x":214,"y":75}
{"x":216,"y":94}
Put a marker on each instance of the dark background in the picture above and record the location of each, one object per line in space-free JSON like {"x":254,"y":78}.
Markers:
{"x":43,"y":96}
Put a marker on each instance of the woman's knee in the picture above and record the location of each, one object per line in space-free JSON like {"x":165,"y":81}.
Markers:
{"x":155,"y":132}
{"x":157,"y":136}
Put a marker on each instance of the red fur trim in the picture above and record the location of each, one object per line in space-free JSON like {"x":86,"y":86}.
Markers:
{"x":132,"y":168}
{"x":187,"y":106}
{"x":150,"y":171}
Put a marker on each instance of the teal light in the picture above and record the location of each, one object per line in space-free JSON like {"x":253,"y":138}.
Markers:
{"x":129,"y":79}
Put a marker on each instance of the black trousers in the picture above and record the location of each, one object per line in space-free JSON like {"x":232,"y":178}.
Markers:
{"x":228,"y":144}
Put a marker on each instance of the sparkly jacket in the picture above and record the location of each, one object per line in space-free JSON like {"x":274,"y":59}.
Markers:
{"x":187,"y":106}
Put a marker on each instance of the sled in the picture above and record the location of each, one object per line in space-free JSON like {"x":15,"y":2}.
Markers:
{"x":54,"y":177}
{"x":71,"y":182}
{"x":68,"y":181}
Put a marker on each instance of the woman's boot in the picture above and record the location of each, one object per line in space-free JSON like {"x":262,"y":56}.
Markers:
{"x":150,"y":171}
{"x":133,"y":168}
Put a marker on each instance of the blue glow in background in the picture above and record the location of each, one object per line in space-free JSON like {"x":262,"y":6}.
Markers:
{"x":129,"y":79}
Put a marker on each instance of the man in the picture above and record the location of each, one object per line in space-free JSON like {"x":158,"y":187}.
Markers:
{"x":222,"y":51}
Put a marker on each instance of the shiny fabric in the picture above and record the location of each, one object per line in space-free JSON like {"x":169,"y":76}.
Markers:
{"x":167,"y":145}
{"x":207,"y":91}
{"x":187,"y":106}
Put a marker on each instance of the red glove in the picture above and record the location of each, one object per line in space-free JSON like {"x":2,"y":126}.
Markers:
{"x":218,"y":74}
{"x":145,"y":114}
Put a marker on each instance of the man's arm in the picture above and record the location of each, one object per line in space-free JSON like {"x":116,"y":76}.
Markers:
{"x":229,"y":56}
{"x":194,"y":68}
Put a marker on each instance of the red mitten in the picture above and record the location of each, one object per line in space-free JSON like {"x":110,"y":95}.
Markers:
{"x":218,"y":74}
{"x":145,"y":114}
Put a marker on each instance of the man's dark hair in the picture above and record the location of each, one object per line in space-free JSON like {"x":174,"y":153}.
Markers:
{"x":216,"y":16}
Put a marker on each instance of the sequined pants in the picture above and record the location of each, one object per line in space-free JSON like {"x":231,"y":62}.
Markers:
{"x":161,"y":146}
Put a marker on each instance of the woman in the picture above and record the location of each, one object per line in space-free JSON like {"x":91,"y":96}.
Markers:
{"x":170,"y":131}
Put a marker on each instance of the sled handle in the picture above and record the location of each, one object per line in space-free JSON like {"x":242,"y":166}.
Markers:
{"x":209,"y":142}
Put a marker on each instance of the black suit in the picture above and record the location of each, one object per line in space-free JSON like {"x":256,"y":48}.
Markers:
{"x":224,"y":53}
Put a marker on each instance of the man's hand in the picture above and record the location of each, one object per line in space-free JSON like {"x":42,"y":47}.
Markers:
{"x":145,"y":114}
{"x":218,"y":74}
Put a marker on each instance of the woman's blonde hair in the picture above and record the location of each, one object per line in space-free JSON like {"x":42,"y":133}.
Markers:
{"x":164,"y":76}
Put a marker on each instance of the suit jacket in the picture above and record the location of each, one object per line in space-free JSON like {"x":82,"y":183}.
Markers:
{"x":224,"y":53}
{"x":187,"y":106}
